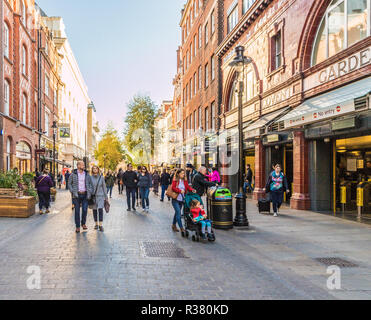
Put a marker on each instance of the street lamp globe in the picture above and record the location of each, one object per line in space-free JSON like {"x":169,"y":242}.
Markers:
{"x":240,"y":60}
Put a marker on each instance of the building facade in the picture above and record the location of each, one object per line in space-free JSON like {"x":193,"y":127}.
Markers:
{"x":306,"y":94}
{"x":74,"y":100}
{"x":20,"y":127}
{"x":201,"y":36}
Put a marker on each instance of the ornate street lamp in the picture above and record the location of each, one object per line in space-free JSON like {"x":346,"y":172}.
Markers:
{"x":54,"y":127}
{"x":239,"y":63}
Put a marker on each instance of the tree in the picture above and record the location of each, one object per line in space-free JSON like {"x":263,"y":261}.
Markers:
{"x":109,"y":151}
{"x":139,"y":132}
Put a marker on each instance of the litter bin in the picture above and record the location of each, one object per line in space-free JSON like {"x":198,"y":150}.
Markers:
{"x":220,"y":208}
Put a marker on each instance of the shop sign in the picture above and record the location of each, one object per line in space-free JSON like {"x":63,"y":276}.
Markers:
{"x":40,"y":151}
{"x":321,"y":114}
{"x":278,"y":97}
{"x":352,"y":63}
{"x":23,"y":155}
{"x":344,"y":124}
{"x":273,"y":138}
{"x":64,"y":132}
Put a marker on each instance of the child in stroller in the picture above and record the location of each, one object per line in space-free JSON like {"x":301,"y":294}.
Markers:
{"x":194,"y":218}
{"x":200,"y":216}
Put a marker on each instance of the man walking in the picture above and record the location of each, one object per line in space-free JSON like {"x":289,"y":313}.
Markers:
{"x":248,"y":180}
{"x":190,"y":173}
{"x":66,"y":177}
{"x":201,"y":183}
{"x":119,"y":181}
{"x":80,"y":186}
{"x":165,"y":182}
{"x":130,"y":180}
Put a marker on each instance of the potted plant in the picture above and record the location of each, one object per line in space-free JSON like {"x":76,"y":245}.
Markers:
{"x":9,"y":183}
{"x":18,"y":195}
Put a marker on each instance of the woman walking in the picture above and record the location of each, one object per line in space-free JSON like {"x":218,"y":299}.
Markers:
{"x":181,"y":187}
{"x":43,"y":184}
{"x":99,"y":195}
{"x":155,"y":182}
{"x":110,"y":182}
{"x":276,"y":186}
{"x":144,"y":184}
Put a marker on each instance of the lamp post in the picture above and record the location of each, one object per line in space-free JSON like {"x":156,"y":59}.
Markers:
{"x":239,"y":63}
{"x":104,"y":156}
{"x":54,"y":127}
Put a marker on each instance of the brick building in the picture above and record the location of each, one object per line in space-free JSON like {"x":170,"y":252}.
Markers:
{"x":20,"y":118}
{"x":50,"y":84}
{"x":306,"y":94}
{"x":200,"y":79}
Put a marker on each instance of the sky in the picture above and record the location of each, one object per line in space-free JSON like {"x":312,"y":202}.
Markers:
{"x":123,"y":48}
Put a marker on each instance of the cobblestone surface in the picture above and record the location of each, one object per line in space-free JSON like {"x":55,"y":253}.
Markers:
{"x":274,"y":259}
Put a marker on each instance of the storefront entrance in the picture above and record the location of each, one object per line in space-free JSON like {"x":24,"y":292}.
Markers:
{"x":283,"y":155}
{"x":353,"y":166}
{"x":250,"y":159}
{"x":24,"y":157}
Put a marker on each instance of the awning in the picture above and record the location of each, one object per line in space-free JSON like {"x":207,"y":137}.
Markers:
{"x":253,"y":129}
{"x":48,"y":159}
{"x":328,"y":105}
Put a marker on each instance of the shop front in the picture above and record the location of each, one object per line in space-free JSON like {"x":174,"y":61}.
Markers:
{"x":337,"y":128}
{"x":23,"y":157}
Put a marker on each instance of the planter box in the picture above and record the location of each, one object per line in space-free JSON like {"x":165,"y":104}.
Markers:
{"x":12,"y":207}
{"x":5,"y":193}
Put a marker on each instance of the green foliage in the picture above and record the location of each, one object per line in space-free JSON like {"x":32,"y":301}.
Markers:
{"x":9,"y":179}
{"x":109,"y":151}
{"x":139,"y":132}
{"x":28,"y":179}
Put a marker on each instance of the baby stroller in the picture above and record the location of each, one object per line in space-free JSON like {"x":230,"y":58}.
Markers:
{"x":189,"y":225}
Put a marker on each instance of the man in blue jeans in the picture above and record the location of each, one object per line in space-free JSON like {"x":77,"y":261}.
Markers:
{"x":80,"y":186}
{"x":165,"y":182}
{"x":130,"y":181}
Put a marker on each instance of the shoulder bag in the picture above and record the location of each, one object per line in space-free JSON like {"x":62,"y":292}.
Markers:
{"x":171,"y":193}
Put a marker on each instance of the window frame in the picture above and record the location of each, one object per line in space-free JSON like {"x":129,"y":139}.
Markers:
{"x":6,"y":97}
{"x":6,"y":40}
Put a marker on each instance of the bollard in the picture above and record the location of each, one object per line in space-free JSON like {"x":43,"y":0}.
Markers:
{"x":343,"y":197}
{"x":360,"y":198}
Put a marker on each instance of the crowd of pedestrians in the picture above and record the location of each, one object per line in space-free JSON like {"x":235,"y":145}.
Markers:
{"x":93,"y":189}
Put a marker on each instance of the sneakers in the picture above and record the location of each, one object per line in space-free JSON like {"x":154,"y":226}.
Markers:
{"x":96,"y":227}
{"x":204,"y":236}
{"x":101,"y":229}
{"x":129,"y":209}
{"x":134,"y":209}
{"x":275,"y":214}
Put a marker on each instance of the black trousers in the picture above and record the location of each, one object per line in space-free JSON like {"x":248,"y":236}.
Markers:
{"x":44,"y":200}
{"x":95,"y":213}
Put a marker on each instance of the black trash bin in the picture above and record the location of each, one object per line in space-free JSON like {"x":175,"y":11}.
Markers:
{"x":220,"y":207}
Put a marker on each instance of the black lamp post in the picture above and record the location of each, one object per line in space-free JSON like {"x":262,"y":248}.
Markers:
{"x":54,"y":127}
{"x":239,"y":63}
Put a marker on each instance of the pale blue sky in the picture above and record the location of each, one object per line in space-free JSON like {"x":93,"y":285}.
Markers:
{"x":123,"y":47}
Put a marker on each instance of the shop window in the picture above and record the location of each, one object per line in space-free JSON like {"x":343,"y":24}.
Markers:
{"x":344,"y":23}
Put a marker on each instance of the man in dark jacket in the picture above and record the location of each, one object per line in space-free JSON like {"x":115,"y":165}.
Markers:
{"x":165,"y":182}
{"x":66,"y":177}
{"x":119,"y":181}
{"x":130,"y":180}
{"x":248,"y":180}
{"x":191,"y":172}
{"x":201,"y":183}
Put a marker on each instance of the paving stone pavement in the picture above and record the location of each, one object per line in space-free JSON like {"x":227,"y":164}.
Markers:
{"x":274,"y":259}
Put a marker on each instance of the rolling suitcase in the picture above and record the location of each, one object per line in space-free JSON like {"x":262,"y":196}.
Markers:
{"x":264,"y":205}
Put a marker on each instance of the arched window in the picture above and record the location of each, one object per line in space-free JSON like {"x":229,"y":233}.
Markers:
{"x":345,"y":22}
{"x":24,"y":60}
{"x":8,"y":152}
{"x":6,"y":40}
